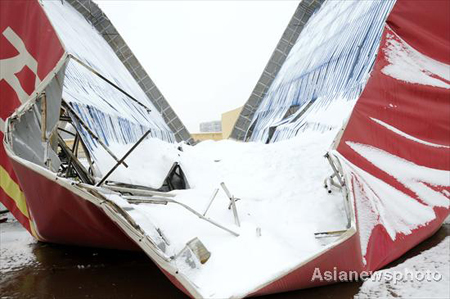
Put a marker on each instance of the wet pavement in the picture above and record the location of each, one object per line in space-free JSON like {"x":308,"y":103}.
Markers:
{"x":58,"y":271}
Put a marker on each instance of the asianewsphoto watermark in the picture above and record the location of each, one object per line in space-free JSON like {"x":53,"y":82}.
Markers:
{"x":382,"y":275}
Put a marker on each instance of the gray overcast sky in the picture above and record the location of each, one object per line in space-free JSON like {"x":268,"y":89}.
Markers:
{"x":204,"y":56}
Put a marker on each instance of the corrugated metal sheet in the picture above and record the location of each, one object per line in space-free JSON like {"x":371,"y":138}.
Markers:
{"x":110,"y":114}
{"x":302,"y":14}
{"x":326,"y":69}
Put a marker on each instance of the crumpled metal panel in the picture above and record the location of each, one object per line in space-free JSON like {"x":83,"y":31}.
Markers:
{"x":396,"y":144}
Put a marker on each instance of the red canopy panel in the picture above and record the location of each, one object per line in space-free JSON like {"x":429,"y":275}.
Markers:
{"x":424,"y":24}
{"x":29,"y":51}
{"x":395,"y":148}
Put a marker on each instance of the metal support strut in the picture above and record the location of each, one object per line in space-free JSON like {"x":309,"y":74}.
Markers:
{"x":123,"y":158}
{"x":233,"y":204}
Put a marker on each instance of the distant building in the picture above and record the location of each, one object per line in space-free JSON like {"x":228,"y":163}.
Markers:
{"x":218,"y":130}
{"x":211,"y":126}
{"x":207,"y":136}
{"x":229,"y":118}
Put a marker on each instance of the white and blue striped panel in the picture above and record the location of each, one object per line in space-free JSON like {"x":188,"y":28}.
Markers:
{"x":109,"y":113}
{"x":113,"y":116}
{"x":325,"y":71}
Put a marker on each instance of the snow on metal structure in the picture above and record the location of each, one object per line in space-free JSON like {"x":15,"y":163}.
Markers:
{"x":324,"y":73}
{"x":392,"y":155}
{"x":72,"y":83}
{"x":302,"y":14}
{"x":92,"y":12}
{"x":391,"y":159}
{"x":112,"y":114}
{"x":394,"y":151}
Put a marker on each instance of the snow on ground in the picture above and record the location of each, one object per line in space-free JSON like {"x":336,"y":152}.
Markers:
{"x":15,"y":246}
{"x":435,"y":260}
{"x":280,"y":191}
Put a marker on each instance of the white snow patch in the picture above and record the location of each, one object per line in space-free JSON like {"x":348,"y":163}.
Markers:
{"x":409,"y":65}
{"x":396,"y":211}
{"x":414,"y":177}
{"x":435,"y":260}
{"x":367,"y":217}
{"x":148,"y":164}
{"x":401,"y":133}
{"x":380,"y":203}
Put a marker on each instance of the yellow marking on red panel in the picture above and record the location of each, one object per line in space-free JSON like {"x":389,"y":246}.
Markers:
{"x":12,"y":189}
{"x":33,"y":230}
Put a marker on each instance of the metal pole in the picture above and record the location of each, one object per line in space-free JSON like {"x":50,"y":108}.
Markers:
{"x":88,"y":156}
{"x":123,"y":158}
{"x":108,"y":81}
{"x":85,"y":126}
{"x":329,"y":234}
{"x":135,"y":192}
{"x":79,"y":168}
{"x":164,"y":201}
{"x":336,"y":172}
{"x":233,"y":204}
{"x":138,"y":191}
{"x":211,"y":201}
{"x":65,"y":131}
{"x":44,"y":118}
{"x":169,"y":200}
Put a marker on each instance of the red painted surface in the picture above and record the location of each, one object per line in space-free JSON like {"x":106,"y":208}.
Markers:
{"x":424,"y":25}
{"x":419,"y":110}
{"x":28,"y":21}
{"x":344,"y":257}
{"x":63,"y":217}
{"x":423,"y":112}
{"x":59,"y":215}
{"x":8,"y":100}
{"x":7,"y":201}
{"x":382,"y":250}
